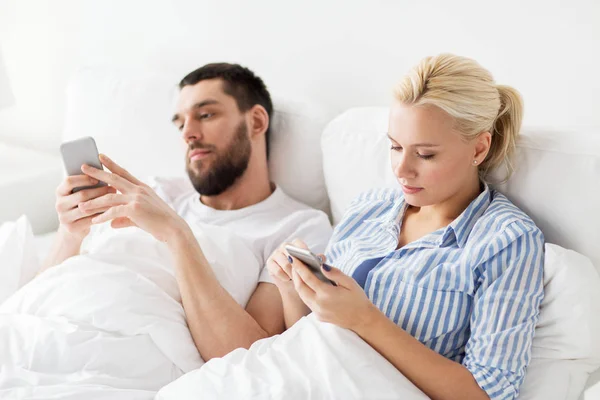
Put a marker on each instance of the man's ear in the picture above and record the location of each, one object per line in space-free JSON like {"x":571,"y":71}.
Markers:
{"x":259,"y":121}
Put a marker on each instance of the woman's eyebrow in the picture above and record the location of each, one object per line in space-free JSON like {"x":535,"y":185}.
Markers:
{"x":416,"y":144}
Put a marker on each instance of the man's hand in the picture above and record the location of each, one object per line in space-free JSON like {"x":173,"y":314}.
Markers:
{"x":75,"y":221}
{"x":136,"y":204}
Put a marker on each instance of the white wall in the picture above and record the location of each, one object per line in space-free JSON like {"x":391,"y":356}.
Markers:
{"x":338,"y":56}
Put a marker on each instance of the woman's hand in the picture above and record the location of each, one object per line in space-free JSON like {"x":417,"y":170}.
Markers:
{"x":345,"y":305}
{"x":136,"y":204}
{"x":279,"y":266}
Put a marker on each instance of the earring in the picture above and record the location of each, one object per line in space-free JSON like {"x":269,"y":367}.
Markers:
{"x":474,"y":162}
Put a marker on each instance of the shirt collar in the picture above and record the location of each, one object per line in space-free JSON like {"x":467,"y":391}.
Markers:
{"x":462,"y":226}
{"x":458,"y":231}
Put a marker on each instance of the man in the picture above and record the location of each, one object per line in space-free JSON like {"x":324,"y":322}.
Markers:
{"x":223,"y":113}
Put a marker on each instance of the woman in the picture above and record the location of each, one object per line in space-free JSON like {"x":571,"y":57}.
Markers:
{"x":443,"y":277}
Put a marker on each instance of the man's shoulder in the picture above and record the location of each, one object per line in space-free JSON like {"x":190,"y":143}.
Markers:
{"x":287,"y":205}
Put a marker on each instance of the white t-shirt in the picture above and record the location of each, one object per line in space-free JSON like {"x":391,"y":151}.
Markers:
{"x":263,"y":226}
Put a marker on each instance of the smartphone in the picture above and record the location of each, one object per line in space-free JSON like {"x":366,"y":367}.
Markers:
{"x":312,"y":261}
{"x":75,"y":153}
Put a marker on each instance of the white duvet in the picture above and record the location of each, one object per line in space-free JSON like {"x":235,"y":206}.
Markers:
{"x":312,"y":360}
{"x":109,"y":324}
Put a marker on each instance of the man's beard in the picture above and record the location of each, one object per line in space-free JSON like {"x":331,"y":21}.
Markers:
{"x":226,"y":168}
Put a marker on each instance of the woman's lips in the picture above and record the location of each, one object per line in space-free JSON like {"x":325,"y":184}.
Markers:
{"x":410,"y":189}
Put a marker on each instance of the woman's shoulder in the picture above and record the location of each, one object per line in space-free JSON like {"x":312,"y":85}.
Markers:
{"x":378,"y":196}
{"x":376,"y":199}
{"x":501,"y":207}
{"x":374,"y":204}
{"x":503,"y":218}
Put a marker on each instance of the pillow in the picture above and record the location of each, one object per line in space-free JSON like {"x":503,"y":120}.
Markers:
{"x":356,"y":156}
{"x":129,"y":115}
{"x":18,"y":256}
{"x":569,"y":325}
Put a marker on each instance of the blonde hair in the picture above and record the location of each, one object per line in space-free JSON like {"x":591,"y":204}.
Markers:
{"x":467,"y":92}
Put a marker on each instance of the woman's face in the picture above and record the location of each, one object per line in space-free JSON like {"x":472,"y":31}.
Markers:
{"x":430,"y":159}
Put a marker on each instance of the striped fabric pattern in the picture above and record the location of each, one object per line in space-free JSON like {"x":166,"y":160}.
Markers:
{"x":470,"y":291}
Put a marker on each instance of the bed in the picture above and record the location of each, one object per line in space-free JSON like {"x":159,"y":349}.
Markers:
{"x":344,"y":156}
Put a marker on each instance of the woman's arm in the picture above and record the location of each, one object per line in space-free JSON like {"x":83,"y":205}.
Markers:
{"x":280,"y":269}
{"x":347,"y":306}
{"x":437,"y":376}
{"x":293,"y":306}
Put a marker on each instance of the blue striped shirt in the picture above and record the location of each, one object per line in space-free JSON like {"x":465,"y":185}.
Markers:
{"x":470,"y":291}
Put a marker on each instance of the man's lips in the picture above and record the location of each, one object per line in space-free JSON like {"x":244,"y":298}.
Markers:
{"x":198,"y":154}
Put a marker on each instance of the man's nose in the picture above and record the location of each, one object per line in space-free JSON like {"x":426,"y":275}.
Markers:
{"x":191,"y":131}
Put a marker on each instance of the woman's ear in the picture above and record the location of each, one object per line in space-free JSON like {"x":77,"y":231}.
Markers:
{"x":259,"y":121}
{"x":482,"y":146}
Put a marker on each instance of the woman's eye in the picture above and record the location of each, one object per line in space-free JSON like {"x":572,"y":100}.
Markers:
{"x":396,"y":148}
{"x":426,"y":156}
{"x":205,"y":116}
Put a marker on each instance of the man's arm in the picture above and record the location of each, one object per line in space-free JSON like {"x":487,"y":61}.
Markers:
{"x":217,"y":322}
{"x":65,"y":246}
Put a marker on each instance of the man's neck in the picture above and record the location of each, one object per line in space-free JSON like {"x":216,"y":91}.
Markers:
{"x":251,"y":188}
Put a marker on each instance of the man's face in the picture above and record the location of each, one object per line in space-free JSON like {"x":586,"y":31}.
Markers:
{"x":215,"y":134}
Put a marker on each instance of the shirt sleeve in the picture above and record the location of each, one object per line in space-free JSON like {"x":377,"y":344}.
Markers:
{"x":315,"y":231}
{"x":505,"y":311}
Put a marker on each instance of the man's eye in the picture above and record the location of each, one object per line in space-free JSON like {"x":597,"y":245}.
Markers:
{"x":180,"y":128}
{"x":206,"y":115}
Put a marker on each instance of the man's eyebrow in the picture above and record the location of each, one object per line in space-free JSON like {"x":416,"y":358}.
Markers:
{"x":197,"y":105}
{"x":416,"y":144}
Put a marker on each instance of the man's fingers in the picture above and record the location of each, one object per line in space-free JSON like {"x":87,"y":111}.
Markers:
{"x":111,"y":213}
{"x":117,"y":169}
{"x":108,"y":200}
{"x":121,"y":222}
{"x":122,"y":184}
{"x":76,"y":214}
{"x":73,"y":200}
{"x":83,"y":222}
{"x":72,"y":182}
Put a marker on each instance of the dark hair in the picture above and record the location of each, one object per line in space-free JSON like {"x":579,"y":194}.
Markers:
{"x":240,"y":83}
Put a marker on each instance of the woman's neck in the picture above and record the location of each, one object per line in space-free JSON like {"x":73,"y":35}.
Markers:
{"x":445,"y":212}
